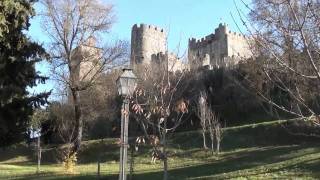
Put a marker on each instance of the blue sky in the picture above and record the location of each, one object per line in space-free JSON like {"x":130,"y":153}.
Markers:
{"x":183,"y":18}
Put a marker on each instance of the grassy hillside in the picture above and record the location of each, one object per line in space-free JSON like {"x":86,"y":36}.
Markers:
{"x":257,"y":151}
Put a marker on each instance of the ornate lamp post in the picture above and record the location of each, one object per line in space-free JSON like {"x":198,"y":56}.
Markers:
{"x":126,"y":84}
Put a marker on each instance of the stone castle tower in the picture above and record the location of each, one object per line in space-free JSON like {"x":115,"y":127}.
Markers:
{"x":146,"y":40}
{"x":222,"y":48}
{"x":86,"y":60}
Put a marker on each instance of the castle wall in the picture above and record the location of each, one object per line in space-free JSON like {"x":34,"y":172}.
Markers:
{"x":238,"y":46}
{"x":223,"y":48}
{"x":145,"y":41}
{"x":168,"y":62}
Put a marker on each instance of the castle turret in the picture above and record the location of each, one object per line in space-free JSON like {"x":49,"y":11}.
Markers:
{"x":145,"y":41}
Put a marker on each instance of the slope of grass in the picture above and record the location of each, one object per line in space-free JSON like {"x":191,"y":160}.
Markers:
{"x":259,"y":151}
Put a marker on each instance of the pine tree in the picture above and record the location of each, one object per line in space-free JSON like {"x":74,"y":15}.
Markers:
{"x":18,"y":55}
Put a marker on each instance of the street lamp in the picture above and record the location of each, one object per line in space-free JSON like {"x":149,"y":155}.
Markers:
{"x":126,"y":84}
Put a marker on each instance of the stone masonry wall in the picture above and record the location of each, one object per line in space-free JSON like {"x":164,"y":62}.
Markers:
{"x":146,"y":40}
{"x":222,"y":48}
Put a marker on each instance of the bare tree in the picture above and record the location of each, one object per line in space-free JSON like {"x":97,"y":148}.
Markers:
{"x":159,"y":106}
{"x":209,"y":122}
{"x":201,"y":113}
{"x":286,"y":37}
{"x":214,"y":127}
{"x":77,"y":58}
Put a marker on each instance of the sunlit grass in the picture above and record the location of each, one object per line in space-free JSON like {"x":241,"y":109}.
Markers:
{"x":242,"y":157}
{"x":259,"y":162}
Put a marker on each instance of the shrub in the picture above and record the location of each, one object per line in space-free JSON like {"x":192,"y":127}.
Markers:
{"x":101,"y":128}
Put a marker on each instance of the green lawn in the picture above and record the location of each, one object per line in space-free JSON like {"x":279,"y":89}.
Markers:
{"x":260,"y":151}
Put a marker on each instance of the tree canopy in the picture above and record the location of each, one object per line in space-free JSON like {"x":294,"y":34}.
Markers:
{"x":18,"y":55}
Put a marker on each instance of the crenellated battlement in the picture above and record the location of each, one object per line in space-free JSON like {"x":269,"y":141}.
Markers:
{"x":218,"y":49}
{"x":220,"y":32}
{"x":235,"y":34}
{"x":146,"y":27}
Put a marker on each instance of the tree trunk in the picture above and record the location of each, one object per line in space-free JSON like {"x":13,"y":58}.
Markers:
{"x":165,"y":161}
{"x":98,"y":172}
{"x":204,"y":140}
{"x":212,"y":143}
{"x":78,"y":121}
{"x":131,"y":163}
{"x":218,"y":146}
{"x":164,"y":152}
{"x":218,"y":136}
{"x":165,"y":167}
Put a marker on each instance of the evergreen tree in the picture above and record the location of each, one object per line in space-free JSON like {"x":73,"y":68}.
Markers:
{"x":18,"y":55}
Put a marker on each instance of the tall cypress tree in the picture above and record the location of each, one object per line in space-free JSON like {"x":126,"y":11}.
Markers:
{"x":18,"y":55}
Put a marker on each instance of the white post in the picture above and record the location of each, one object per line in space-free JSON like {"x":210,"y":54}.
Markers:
{"x":124,"y":139}
{"x":39,"y":154}
{"x":121,"y":144}
{"x":126,"y":124}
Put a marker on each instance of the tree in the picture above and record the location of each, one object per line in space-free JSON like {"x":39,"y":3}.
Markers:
{"x":159,"y":105}
{"x":77,"y":58}
{"x":201,"y":113}
{"x":215,"y":129}
{"x":286,"y":45}
{"x":209,"y":121}
{"x":18,"y":55}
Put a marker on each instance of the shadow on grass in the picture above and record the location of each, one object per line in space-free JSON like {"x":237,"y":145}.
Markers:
{"x":19,"y":150}
{"x":67,"y":177}
{"x":229,"y":162}
{"x":91,"y":152}
{"x":99,"y":150}
{"x":241,"y":161}
{"x":250,"y":136}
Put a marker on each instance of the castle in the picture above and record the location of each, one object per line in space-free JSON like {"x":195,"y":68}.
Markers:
{"x":223,"y":48}
{"x":149,"y":45}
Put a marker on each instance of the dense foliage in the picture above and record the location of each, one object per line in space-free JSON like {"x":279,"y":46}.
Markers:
{"x":18,"y":55}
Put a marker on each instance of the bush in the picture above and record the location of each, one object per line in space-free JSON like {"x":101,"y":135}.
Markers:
{"x":101,"y":128}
